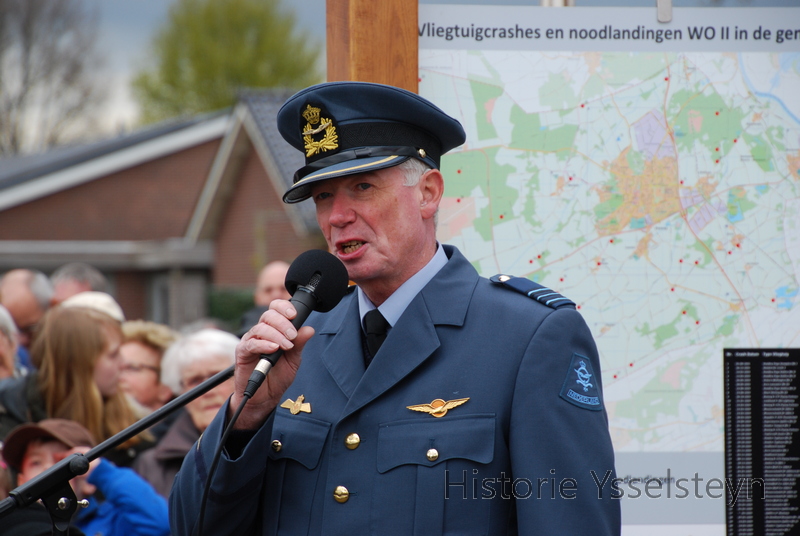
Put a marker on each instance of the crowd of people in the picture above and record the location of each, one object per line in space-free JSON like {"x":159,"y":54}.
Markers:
{"x":75,"y":372}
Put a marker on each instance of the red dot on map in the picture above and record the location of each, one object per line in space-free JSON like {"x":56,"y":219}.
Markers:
{"x":717,"y":113}
{"x":666,"y":78}
{"x":599,"y":263}
{"x":697,"y":262}
{"x":561,"y":279}
{"x":538,"y":256}
{"x":615,"y":376}
{"x":570,"y":178}
{"x":578,"y":306}
{"x":459,"y":171}
{"x":697,"y":322}
{"x":630,"y":364}
{"x":672,"y":289}
{"x":738,"y":245}
{"x":681,"y":182}
{"x":735,"y":140}
{"x":583,"y":106}
{"x":717,"y":161}
{"x":683,"y":313}
{"x":611,"y":241}
{"x":419,"y":79}
{"x":530,"y":261}
{"x":717,"y":149}
{"x":680,"y":261}
{"x":773,"y":300}
{"x":458,"y":200}
{"x":501,"y":216}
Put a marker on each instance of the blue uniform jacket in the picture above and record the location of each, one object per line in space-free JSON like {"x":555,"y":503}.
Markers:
{"x":516,"y":457}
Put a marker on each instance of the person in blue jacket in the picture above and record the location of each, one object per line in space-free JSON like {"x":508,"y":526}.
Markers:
{"x":430,"y":400}
{"x":120,"y":502}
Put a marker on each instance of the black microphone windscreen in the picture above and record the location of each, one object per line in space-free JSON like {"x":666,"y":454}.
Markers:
{"x":332,"y":274}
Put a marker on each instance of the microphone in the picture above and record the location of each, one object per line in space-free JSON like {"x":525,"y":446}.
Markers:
{"x":317,"y":281}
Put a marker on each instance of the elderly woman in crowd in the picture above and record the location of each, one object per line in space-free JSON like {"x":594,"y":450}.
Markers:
{"x":186,"y":364}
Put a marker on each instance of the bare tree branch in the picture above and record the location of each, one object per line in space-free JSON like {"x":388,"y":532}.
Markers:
{"x":49,"y":91}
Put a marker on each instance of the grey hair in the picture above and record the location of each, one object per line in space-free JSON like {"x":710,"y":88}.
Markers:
{"x":198,"y":346}
{"x":80,"y":271}
{"x":7,"y":325}
{"x":41,"y":288}
{"x":413,"y":170}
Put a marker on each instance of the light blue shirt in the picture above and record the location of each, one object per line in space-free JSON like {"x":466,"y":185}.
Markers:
{"x":396,"y":304}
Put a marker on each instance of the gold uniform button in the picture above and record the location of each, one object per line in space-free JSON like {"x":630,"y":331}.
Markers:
{"x":277,"y":446}
{"x":341,"y":494}
{"x":432,"y":455}
{"x":352,"y":441}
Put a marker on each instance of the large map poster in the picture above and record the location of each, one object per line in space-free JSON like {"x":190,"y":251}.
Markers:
{"x":649,"y":172}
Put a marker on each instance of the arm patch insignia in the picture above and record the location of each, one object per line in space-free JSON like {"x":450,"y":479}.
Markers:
{"x":533,"y":290}
{"x":580,"y":385}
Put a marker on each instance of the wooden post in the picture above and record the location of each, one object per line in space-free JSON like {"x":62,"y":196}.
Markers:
{"x":373,"y":41}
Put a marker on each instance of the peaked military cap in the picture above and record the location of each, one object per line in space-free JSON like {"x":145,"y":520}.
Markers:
{"x":344,"y":128}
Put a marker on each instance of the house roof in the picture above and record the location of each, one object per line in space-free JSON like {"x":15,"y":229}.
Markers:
{"x":263,"y":106}
{"x":253,"y":124}
{"x":26,"y":178}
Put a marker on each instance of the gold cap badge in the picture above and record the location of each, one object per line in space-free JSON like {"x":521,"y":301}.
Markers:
{"x":438,"y":408}
{"x":297,"y":406}
{"x":328,"y":139}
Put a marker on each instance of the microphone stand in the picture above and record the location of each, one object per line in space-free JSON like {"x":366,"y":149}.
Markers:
{"x":52,"y":486}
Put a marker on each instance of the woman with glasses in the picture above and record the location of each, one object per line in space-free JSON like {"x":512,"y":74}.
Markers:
{"x":142,"y":350}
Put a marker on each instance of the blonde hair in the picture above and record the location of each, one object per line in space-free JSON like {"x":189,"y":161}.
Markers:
{"x":151,"y":334}
{"x":69,"y":344}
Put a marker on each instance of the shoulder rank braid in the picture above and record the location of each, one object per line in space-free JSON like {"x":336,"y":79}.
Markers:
{"x":533,"y":290}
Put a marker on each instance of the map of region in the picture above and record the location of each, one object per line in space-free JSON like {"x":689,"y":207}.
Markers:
{"x":659,"y":191}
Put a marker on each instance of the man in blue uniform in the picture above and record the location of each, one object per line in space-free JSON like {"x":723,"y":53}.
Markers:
{"x":480,"y":413}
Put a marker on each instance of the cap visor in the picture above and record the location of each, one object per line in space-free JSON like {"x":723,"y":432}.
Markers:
{"x":301,"y":190}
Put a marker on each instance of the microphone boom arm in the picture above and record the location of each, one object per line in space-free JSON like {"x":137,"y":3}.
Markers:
{"x":52,"y":485}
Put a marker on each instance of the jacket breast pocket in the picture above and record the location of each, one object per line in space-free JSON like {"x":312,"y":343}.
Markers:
{"x":298,"y":438}
{"x":294,"y":453}
{"x":422,"y":461}
{"x":431,"y":442}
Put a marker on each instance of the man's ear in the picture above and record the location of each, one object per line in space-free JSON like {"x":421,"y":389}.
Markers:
{"x":431,"y":191}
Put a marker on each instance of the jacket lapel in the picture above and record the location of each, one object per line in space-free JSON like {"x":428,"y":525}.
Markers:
{"x":342,"y":355}
{"x":414,"y":339}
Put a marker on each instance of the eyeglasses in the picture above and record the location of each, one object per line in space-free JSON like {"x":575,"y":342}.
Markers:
{"x":194,"y":381}
{"x":139,"y":367}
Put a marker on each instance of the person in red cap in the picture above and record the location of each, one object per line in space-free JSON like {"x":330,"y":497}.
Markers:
{"x":121,"y":503}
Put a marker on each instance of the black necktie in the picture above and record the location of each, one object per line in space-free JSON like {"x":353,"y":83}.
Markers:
{"x":376,"y":327}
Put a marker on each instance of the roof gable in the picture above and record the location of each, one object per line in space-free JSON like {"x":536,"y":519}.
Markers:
{"x":25,"y":179}
{"x":253,"y":126}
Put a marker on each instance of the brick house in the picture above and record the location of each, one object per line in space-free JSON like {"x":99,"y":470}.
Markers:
{"x":170,"y":213}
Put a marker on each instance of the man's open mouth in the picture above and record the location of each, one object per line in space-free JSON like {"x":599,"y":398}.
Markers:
{"x":351,"y":246}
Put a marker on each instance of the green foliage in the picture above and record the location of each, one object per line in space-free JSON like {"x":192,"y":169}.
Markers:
{"x":209,"y":49}
{"x":228,"y":305}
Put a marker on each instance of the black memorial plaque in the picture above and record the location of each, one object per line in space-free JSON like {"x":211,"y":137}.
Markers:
{"x":762,"y":444}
